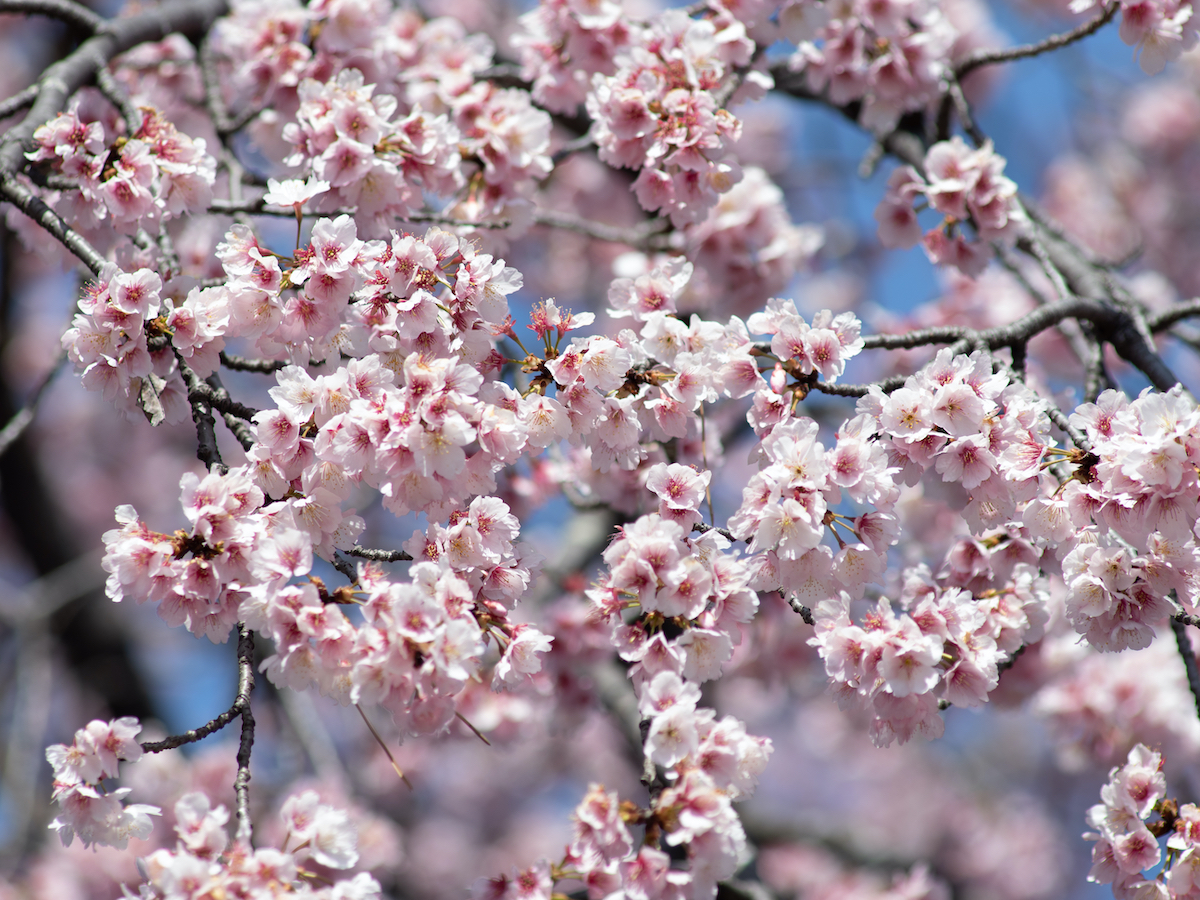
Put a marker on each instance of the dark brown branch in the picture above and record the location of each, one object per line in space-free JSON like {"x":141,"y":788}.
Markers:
{"x":220,"y":399}
{"x":200,"y":398}
{"x":240,"y":430}
{"x":800,"y":609}
{"x":1054,"y":42}
{"x":724,"y":532}
{"x":947,"y":334}
{"x":379,"y":555}
{"x":119,"y":97}
{"x":243,"y":364}
{"x":887,"y":385}
{"x":241,"y":701}
{"x":345,"y":567}
{"x":196,"y":734}
{"x":1189,"y":658}
{"x":241,"y":783}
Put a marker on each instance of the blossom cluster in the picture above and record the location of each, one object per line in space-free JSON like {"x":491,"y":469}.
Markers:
{"x":1132,"y":516}
{"x":1158,"y":30}
{"x":658,"y":113}
{"x":153,"y":174}
{"x":1125,"y":845}
{"x":694,"y":810}
{"x":205,"y":863}
{"x":424,"y":123}
{"x":892,"y":56}
{"x":107,"y":340}
{"x":689,"y":598}
{"x":964,"y":185}
{"x":748,"y":247}
{"x":373,"y":159}
{"x":420,"y":641}
{"x":1097,"y":705}
{"x":562,"y":44}
{"x":87,"y":810}
{"x":942,"y":644}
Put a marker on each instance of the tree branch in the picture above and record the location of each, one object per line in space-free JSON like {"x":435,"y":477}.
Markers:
{"x":1054,"y":42}
{"x":1177,"y":313}
{"x":1189,"y":659}
{"x":18,"y":101}
{"x":63,"y":10}
{"x":241,"y":784}
{"x":17,"y":424}
{"x":638,"y":236}
{"x":199,"y":396}
{"x":20,"y":196}
{"x":379,"y":555}
{"x":59,"y":81}
{"x":242,"y":364}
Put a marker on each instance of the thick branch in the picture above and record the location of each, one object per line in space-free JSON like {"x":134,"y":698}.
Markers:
{"x":378,"y":555}
{"x":241,"y":784}
{"x":199,"y":396}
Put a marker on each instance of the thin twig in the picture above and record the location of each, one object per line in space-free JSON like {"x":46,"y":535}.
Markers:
{"x":637,"y":236}
{"x":119,"y":97}
{"x":1054,"y":42}
{"x":18,"y":423}
{"x":572,"y":146}
{"x":384,"y":746}
{"x":1176,"y":313}
{"x":242,"y":699}
{"x":474,"y":730}
{"x":963,"y":108}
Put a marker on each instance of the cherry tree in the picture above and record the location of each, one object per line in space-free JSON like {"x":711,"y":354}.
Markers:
{"x":571,"y":509}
